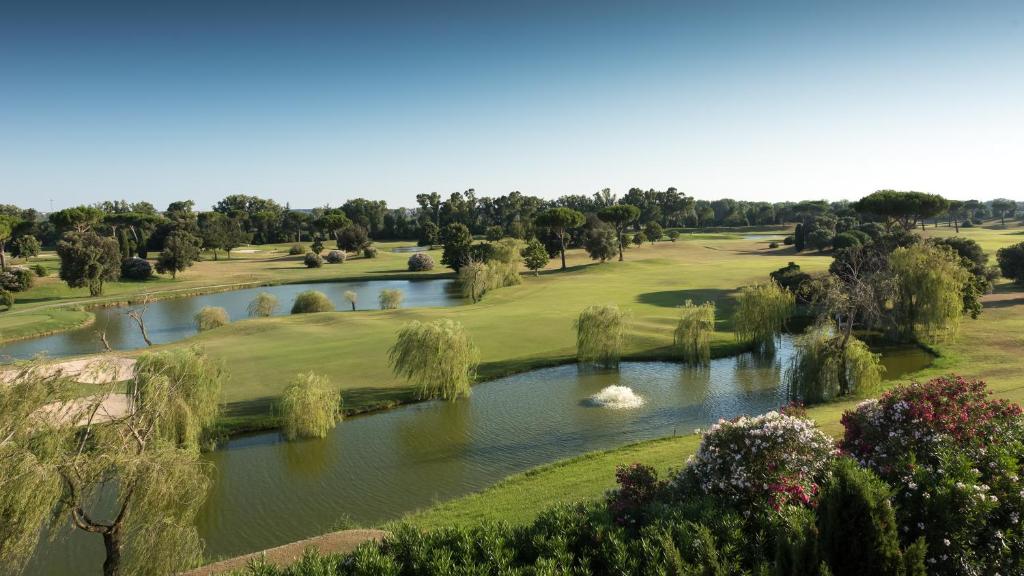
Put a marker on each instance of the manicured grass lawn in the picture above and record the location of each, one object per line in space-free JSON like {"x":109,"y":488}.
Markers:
{"x":989,"y":348}
{"x":40,"y":321}
{"x":516,"y":328}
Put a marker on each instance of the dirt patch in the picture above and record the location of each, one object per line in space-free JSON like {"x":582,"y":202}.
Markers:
{"x":335,"y":542}
{"x":92,"y":370}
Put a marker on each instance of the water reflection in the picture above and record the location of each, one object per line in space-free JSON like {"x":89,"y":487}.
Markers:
{"x":377,"y":467}
{"x":171,"y":320}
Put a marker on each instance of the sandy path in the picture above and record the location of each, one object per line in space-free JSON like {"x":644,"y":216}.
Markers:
{"x":335,"y":542}
{"x":92,"y":370}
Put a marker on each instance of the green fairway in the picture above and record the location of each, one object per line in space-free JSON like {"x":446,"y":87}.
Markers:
{"x":516,"y":328}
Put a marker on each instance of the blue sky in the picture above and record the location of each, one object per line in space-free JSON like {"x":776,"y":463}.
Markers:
{"x":314,"y":103}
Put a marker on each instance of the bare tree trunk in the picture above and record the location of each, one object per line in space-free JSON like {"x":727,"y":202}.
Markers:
{"x":956,"y":223}
{"x":103,"y":339}
{"x":139,"y":316}
{"x":112,"y":544}
{"x":561,"y":239}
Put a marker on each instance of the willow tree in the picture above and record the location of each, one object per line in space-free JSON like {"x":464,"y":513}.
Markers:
{"x":693,"y":332}
{"x":474,"y":281}
{"x":600,"y":334}
{"x":928,"y":295}
{"x":263,"y":305}
{"x":437,"y":357}
{"x":310,"y":407}
{"x":389,"y":299}
{"x":828,"y":365}
{"x":210,"y":317}
{"x":136,"y":479}
{"x":761,"y":313}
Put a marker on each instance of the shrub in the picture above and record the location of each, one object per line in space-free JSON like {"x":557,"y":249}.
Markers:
{"x":790,"y":277}
{"x":953,"y":455}
{"x":26,"y":246}
{"x":601,"y":243}
{"x":673,"y":235}
{"x":370,"y":252}
{"x":353,"y":238}
{"x":788,"y":240}
{"x":310,"y":407}
{"x":600,"y":333}
{"x":210,"y":317}
{"x":40,"y":270}
{"x":437,"y":357}
{"x":313,"y":260}
{"x":967,"y":224}
{"x":693,"y":332}
{"x":761,"y":313}
{"x":845,"y":240}
{"x":420,"y":262}
{"x":312,"y":301}
{"x":768,"y":461}
{"x":494,"y":233}
{"x":390,"y":298}
{"x":263,"y":305}
{"x":773,"y":245}
{"x":639,"y":488}
{"x":136,"y":269}
{"x":638,"y":239}
{"x":855,"y":501}
{"x":16,"y":279}
{"x":1011,"y":262}
{"x":296,"y":249}
{"x":6,"y":299}
{"x":336,"y":256}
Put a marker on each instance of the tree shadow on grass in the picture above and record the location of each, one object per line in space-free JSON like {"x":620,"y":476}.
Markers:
{"x":725,"y":301}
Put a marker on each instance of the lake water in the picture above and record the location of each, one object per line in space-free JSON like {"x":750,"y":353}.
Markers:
{"x":170,"y":320}
{"x":378,"y":467}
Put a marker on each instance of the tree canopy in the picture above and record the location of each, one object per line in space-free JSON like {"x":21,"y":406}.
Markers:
{"x":904,"y":208}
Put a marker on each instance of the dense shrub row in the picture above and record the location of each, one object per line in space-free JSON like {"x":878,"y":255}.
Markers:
{"x":925,"y":481}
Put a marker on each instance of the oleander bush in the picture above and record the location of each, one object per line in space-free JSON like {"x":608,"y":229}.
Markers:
{"x":313,"y":260}
{"x":336,"y":256}
{"x":16,"y":279}
{"x":296,"y":249}
{"x":370,"y":252}
{"x":955,"y":456}
{"x":765,"y":462}
{"x":420,"y":262}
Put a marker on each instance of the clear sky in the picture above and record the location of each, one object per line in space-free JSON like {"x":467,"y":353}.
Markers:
{"x":314,"y":103}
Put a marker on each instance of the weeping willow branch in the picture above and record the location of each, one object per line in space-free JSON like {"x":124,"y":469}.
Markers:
{"x":310,"y":407}
{"x":600,"y":334}
{"x":824,"y":368}
{"x":437,"y":357}
{"x":761,"y":314}
{"x":693,"y":332}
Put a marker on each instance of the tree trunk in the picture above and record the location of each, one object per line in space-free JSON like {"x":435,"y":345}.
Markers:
{"x":561,"y":240}
{"x":620,"y":245}
{"x":3,"y":258}
{"x":112,"y":543}
{"x":956,"y":225}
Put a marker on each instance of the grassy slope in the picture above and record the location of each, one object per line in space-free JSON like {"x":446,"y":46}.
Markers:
{"x":989,"y":348}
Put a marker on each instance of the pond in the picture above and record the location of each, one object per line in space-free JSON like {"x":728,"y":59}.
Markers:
{"x":410,"y":249}
{"x":170,"y":320}
{"x":378,"y":467}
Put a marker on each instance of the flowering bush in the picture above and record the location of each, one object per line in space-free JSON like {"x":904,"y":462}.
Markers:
{"x":420,"y":262}
{"x":769,"y":460}
{"x":955,"y":456}
{"x":639,"y":488}
{"x":336,"y":256}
